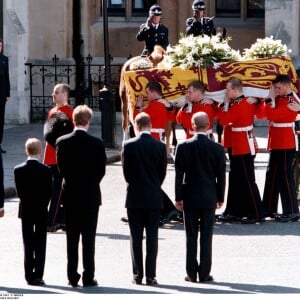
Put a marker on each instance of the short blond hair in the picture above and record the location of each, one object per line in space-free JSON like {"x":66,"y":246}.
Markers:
{"x":82,"y":115}
{"x":33,"y":146}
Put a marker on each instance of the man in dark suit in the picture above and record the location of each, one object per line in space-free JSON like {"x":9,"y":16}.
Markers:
{"x":199,"y":190}
{"x":81,"y":160}
{"x":34,"y":187}
{"x":144,"y":162}
{"x":4,"y":90}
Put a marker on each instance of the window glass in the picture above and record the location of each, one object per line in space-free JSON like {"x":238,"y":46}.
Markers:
{"x":228,"y":8}
{"x":256,"y":8}
{"x":141,"y":7}
{"x":116,"y":7}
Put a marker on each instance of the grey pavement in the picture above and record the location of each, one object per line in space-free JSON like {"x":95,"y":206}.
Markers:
{"x":16,"y":135}
{"x":248,"y":260}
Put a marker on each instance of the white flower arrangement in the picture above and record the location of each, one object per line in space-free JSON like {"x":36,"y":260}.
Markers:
{"x":266,"y":48}
{"x":199,"y":52}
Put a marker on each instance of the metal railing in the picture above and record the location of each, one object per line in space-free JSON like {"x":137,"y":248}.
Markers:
{"x":43,"y":77}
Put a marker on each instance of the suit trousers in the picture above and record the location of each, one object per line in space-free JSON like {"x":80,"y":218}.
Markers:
{"x":280,"y":181}
{"x":86,"y":226}
{"x":191,"y":221}
{"x":34,"y":240}
{"x":138,"y":220}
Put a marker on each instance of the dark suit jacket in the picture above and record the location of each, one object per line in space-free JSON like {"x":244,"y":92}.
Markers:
{"x":200,"y":172}
{"x":144,"y":162}
{"x":34,"y":186}
{"x":4,"y":78}
{"x":81,"y":160}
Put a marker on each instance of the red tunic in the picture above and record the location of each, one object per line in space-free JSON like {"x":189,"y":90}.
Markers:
{"x":50,"y":152}
{"x":281,"y":120}
{"x":159,"y":118}
{"x":241,"y":116}
{"x":184,"y":118}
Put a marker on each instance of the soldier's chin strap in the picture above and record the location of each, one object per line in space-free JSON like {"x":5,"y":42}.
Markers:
{"x":296,"y":96}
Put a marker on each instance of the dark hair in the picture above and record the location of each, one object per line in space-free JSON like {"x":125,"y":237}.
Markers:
{"x":282,"y":79}
{"x":198,"y":85}
{"x":154,"y":86}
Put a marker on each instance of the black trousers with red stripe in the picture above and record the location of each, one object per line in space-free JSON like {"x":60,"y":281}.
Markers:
{"x":243,"y":198}
{"x":280,"y":181}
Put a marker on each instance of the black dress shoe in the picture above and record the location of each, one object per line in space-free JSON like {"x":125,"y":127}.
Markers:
{"x":287,"y":218}
{"x":188,"y":278}
{"x":137,"y":281}
{"x":228,"y":219}
{"x":124,"y":219}
{"x":90,"y":283}
{"x":271,"y":215}
{"x":151,"y":281}
{"x":252,"y":221}
{"x":37,"y":281}
{"x":73,"y":284}
{"x":206,"y":279}
{"x":2,"y":150}
{"x":56,"y":227}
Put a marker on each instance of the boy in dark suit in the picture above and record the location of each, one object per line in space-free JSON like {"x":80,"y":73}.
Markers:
{"x":199,"y":190}
{"x":144,"y":161}
{"x":33,"y":182}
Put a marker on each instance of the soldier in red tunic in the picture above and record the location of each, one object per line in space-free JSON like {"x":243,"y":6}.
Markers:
{"x":196,"y":102}
{"x":282,"y":146}
{"x":245,"y":200}
{"x":156,"y":109}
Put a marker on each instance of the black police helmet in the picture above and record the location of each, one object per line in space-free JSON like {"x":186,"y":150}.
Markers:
{"x":155,"y":10}
{"x":198,"y":5}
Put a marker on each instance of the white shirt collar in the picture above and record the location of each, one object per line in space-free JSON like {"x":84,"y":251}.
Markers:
{"x":80,"y":128}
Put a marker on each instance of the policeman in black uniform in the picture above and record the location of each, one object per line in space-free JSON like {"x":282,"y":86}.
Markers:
{"x":153,"y":32}
{"x":200,"y":25}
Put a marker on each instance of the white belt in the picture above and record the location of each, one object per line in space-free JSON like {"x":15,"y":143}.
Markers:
{"x":160,"y":131}
{"x":247,"y":128}
{"x":250,"y":136}
{"x":283,"y":124}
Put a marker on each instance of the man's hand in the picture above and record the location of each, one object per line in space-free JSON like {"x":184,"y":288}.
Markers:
{"x":272,"y":93}
{"x":1,"y":213}
{"x":179,"y":205}
{"x":139,"y":100}
{"x":149,"y":21}
{"x":294,"y":106}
